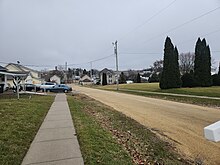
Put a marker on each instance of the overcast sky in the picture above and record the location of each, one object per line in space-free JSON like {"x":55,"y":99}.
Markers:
{"x":51,"y":32}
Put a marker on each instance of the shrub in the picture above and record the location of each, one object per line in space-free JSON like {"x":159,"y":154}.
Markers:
{"x":188,"y":80}
{"x":216,"y":80}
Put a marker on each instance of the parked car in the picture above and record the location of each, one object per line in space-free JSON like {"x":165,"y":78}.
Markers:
{"x":30,"y":87}
{"x":46,"y":86}
{"x":60,"y":88}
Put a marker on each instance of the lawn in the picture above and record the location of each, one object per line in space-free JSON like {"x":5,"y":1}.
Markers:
{"x":109,"y":137}
{"x":153,"y":90}
{"x":19,"y":123}
{"x":154,"y":87}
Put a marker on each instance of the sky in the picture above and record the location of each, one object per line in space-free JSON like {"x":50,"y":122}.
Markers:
{"x":43,"y":34}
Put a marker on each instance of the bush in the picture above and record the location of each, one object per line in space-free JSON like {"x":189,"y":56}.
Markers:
{"x":188,"y":80}
{"x":216,"y":80}
{"x":154,"y":78}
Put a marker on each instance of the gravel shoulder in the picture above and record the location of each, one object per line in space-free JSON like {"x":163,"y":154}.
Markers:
{"x":180,"y":123}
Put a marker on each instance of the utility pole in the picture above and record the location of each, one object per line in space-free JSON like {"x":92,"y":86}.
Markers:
{"x":116,"y":56}
{"x":65,"y":66}
{"x":91,"y":69}
{"x":65,"y":73}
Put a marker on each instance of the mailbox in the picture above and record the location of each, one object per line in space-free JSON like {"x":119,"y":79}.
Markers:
{"x":212,"y":132}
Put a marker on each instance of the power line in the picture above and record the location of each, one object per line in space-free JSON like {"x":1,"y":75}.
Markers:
{"x":149,"y":19}
{"x":207,"y":34}
{"x":99,"y":59}
{"x":183,"y":24}
{"x":102,"y":58}
{"x":38,"y":65}
{"x":145,"y":53}
{"x":139,"y":53}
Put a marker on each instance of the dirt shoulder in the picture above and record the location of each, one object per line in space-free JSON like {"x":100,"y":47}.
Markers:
{"x":181,"y":123}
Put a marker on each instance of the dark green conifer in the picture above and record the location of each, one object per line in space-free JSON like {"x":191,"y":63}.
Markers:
{"x":104,"y":79}
{"x":138,"y":78}
{"x":202,"y":64}
{"x":170,"y":77}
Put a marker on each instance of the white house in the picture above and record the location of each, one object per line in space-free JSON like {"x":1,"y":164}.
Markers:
{"x":55,"y":79}
{"x":6,"y":76}
{"x":33,"y":76}
{"x":110,"y":76}
{"x":85,"y":80}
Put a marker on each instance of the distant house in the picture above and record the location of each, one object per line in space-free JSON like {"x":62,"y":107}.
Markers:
{"x":85,"y":80}
{"x":2,"y":75}
{"x":110,"y":76}
{"x":33,"y":76}
{"x":55,"y":79}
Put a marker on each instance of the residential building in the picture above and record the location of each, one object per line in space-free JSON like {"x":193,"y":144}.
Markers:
{"x":7,"y":77}
{"x":110,"y":76}
{"x":55,"y":79}
{"x":85,"y":80}
{"x":33,"y":76}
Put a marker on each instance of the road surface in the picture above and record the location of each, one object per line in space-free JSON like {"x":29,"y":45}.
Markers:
{"x":181,"y":123}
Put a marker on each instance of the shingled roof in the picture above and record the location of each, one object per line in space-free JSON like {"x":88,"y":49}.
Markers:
{"x":2,"y":68}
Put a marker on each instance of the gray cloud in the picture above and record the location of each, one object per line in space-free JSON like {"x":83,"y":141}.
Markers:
{"x":51,"y":32}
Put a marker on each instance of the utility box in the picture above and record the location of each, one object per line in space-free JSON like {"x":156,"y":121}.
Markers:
{"x":212,"y":132}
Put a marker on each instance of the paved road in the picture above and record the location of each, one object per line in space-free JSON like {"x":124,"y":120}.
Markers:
{"x":181,"y":123}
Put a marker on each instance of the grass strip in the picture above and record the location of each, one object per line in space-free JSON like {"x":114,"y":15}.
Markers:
{"x":190,"y":100}
{"x":94,"y":120}
{"x":97,"y":145}
{"x":182,"y":99}
{"x":213,"y":91}
{"x":19,"y":123}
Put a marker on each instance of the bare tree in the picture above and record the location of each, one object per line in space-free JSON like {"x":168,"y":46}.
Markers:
{"x":186,"y":62}
{"x":60,"y":67}
{"x":157,"y":66}
{"x":213,"y":67}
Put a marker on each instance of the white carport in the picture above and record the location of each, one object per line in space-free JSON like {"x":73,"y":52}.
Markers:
{"x":15,"y":75}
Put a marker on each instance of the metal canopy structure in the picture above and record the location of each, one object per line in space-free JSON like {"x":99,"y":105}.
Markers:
{"x":16,"y":75}
{"x":13,"y":74}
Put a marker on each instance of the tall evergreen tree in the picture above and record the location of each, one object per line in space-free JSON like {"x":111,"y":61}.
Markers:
{"x":122,"y":78}
{"x":104,"y":79}
{"x":178,"y":81}
{"x":138,"y":78}
{"x":202,"y":66}
{"x":170,"y":77}
{"x":197,"y":62}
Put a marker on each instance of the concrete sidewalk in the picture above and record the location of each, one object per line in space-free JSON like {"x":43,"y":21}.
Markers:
{"x":55,"y":142}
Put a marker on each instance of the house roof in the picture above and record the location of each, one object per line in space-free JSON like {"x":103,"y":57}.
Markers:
{"x":105,"y":70}
{"x":86,"y":80}
{"x":2,"y":68}
{"x":55,"y":76}
{"x":22,"y":68}
{"x":22,"y":74}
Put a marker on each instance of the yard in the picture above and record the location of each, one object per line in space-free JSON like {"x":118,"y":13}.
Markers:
{"x":153,"y":90}
{"x":154,"y":87}
{"x":19,"y":122}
